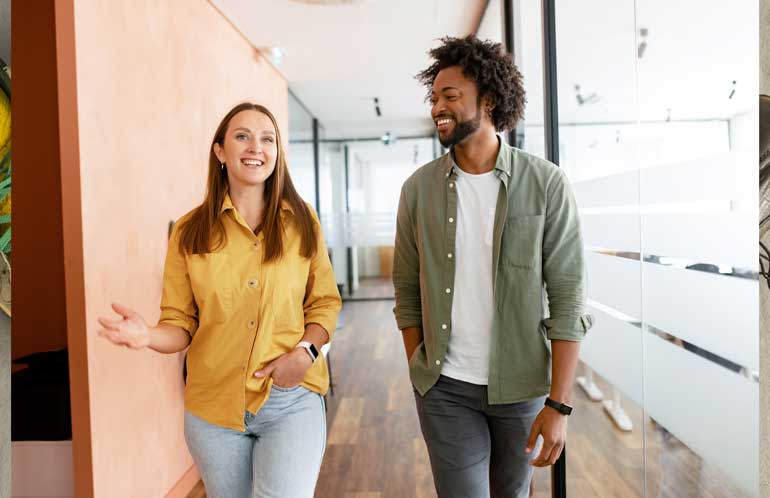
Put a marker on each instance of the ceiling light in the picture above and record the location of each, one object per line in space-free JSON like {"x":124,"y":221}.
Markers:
{"x":585,"y":99}
{"x":274,"y":54}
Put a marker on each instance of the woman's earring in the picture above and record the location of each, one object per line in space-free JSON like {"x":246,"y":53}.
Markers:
{"x":222,"y":166}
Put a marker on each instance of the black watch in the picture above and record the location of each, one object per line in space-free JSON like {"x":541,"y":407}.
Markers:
{"x":559,"y":407}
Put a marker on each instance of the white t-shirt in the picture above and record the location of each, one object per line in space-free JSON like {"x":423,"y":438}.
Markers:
{"x":467,"y":357}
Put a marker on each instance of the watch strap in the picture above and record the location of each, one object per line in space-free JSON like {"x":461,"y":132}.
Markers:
{"x":560,"y":407}
{"x":310,"y":348}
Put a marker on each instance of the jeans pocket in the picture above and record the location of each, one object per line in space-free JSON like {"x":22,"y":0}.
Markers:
{"x":287,"y":389}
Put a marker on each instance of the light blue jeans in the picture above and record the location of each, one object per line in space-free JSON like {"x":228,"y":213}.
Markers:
{"x":277,"y":456}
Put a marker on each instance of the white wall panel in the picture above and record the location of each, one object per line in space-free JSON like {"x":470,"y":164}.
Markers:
{"x":710,"y":409}
{"x":615,"y":282}
{"x":714,"y":312}
{"x":613,"y":348}
{"x":619,"y":232}
{"x":721,"y":239}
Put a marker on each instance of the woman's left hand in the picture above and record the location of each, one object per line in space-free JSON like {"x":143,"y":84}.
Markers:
{"x":287,"y":370}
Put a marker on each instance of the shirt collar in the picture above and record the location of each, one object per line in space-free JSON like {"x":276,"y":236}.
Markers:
{"x":227,"y":204}
{"x":502,"y":164}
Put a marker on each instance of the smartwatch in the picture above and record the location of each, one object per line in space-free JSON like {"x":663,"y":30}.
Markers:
{"x":559,"y":407}
{"x":310,"y":348}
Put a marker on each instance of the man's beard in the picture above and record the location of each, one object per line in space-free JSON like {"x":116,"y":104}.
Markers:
{"x":463,"y":129}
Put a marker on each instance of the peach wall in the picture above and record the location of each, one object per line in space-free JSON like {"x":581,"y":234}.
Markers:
{"x":153,"y":80}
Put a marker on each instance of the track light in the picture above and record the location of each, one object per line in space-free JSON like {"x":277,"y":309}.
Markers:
{"x":642,"y":43}
{"x":585,"y":99}
{"x":388,"y":139}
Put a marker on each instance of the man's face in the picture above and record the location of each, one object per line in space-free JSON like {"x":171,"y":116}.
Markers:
{"x":455,"y":106}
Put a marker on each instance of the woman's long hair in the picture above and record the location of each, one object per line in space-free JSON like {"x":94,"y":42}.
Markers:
{"x":203,"y":231}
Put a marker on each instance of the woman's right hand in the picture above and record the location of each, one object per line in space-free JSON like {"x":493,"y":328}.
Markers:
{"x":130,"y":331}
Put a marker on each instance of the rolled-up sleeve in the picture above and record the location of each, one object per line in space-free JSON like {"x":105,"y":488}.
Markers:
{"x":322,"y":297}
{"x":406,"y":267}
{"x":563,"y":265}
{"x":177,"y":304}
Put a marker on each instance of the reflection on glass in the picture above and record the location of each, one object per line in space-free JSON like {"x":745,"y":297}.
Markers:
{"x":701,"y":382}
{"x":659,"y":144}
{"x":529,"y":60}
{"x":599,"y":144}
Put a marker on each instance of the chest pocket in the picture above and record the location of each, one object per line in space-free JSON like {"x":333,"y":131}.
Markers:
{"x":212,"y":285}
{"x":522,"y":244}
{"x":288,"y":291}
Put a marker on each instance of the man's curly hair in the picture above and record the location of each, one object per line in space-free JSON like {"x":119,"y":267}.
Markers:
{"x":490,"y":67}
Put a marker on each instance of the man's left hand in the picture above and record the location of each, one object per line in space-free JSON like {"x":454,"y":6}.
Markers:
{"x":552,"y":425}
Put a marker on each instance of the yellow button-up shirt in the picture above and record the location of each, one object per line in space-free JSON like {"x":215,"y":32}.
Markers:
{"x":243,"y":313}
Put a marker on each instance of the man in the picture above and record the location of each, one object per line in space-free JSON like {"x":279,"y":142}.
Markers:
{"x":482,"y":232}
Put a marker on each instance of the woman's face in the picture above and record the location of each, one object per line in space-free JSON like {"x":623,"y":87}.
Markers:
{"x":249,"y":149}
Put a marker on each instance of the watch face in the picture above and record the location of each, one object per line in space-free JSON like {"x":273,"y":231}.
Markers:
{"x":560,"y":407}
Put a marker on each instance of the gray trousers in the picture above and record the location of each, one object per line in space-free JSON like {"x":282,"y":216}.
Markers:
{"x":476,"y":449}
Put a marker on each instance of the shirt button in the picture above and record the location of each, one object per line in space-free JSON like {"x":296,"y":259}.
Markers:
{"x":443,"y":326}
{"x":451,"y":220}
{"x":253,"y":282}
{"x":448,"y":290}
{"x":449,"y":255}
{"x":255,"y":245}
{"x":451,"y":184}
{"x":252,"y":324}
{"x":438,"y":362}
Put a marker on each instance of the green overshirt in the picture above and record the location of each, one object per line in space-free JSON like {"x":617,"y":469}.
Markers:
{"x":537,"y":263}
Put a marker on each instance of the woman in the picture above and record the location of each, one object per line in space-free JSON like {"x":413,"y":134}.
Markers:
{"x":249,"y":287}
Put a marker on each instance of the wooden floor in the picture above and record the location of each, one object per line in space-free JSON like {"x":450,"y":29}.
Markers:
{"x":375,"y":449}
{"x":373,"y":288}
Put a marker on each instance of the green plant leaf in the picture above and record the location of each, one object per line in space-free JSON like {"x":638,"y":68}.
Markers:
{"x":5,"y":241}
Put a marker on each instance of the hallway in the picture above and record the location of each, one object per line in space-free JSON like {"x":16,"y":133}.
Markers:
{"x":375,"y":449}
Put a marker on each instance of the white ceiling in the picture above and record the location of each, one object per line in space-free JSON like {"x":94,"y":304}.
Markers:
{"x":339,"y":57}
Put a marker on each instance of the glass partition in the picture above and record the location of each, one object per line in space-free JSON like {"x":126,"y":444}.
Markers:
{"x":657,"y":132}
{"x":697,"y":139}
{"x":364,"y":227}
{"x":300,"y":150}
